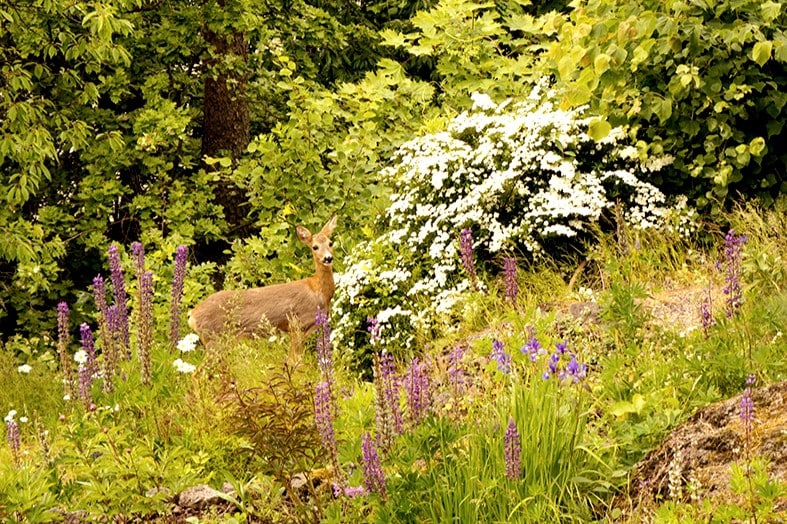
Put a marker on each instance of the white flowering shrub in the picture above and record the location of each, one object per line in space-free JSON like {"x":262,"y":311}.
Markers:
{"x":523,"y":176}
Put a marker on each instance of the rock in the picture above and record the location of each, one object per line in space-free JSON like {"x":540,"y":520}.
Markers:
{"x":694,"y":462}
{"x":200,"y":496}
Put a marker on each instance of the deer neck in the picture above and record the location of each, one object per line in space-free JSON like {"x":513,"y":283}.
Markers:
{"x":323,"y":281}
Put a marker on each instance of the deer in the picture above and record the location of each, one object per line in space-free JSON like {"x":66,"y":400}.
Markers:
{"x":290,"y":307}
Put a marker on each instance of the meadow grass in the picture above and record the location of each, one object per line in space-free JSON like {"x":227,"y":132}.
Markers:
{"x":244,"y":413}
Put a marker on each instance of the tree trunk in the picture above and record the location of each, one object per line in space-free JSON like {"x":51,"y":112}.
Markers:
{"x":226,"y":118}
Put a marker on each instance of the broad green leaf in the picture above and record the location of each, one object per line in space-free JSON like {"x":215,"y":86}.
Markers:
{"x":761,"y":52}
{"x":770,"y":10}
{"x":598,"y":129}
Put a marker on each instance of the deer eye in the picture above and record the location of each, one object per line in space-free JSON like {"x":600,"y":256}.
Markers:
{"x":330,"y":243}
{"x":315,"y":248}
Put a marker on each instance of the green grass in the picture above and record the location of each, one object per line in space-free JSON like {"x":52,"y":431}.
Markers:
{"x":246,"y":415}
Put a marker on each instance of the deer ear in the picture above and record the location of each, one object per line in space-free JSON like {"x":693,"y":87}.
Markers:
{"x":304,"y":235}
{"x":327,"y":229}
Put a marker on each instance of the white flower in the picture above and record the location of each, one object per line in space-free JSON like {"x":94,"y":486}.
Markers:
{"x":10,"y":416}
{"x":80,"y":356}
{"x":183,"y":367}
{"x":272,"y":339}
{"x":188,"y":343}
{"x":24,"y":368}
{"x":23,"y":420}
{"x":66,"y":397}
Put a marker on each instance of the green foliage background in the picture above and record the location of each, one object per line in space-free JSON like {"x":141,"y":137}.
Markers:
{"x":102,"y":104}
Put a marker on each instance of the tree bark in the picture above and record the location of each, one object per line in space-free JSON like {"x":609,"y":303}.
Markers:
{"x":226,"y":118}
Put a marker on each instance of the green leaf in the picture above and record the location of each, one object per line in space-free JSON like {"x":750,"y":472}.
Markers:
{"x":598,"y":129}
{"x":757,"y":146}
{"x":770,"y":10}
{"x":761,"y":52}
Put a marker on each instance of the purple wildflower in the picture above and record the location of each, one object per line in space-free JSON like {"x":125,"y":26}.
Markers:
{"x":373,"y":475}
{"x":324,"y":353}
{"x":416,"y":385}
{"x":89,"y":347}
{"x":100,"y":297}
{"x":733,"y":250}
{"x":324,"y":420}
{"x":388,"y":414}
{"x":532,"y":348}
{"x":468,"y":257}
{"x":513,"y":451}
{"x":85,"y":384}
{"x":177,"y":293}
{"x":12,"y":434}
{"x":145,"y":323}
{"x":113,"y":344}
{"x":138,"y":255}
{"x":500,"y":356}
{"x":323,"y":416}
{"x":572,"y":369}
{"x":119,"y":289}
{"x":63,"y":338}
{"x":373,"y":327}
{"x":510,"y":270}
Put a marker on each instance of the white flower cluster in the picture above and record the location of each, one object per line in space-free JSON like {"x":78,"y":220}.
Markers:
{"x":516,"y":173}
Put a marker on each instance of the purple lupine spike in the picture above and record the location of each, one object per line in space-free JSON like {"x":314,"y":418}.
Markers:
{"x":500,"y":356}
{"x":510,"y":271}
{"x":63,"y":338}
{"x":12,"y":435}
{"x":324,"y":420}
{"x":468,"y":256}
{"x":373,"y":474}
{"x":733,"y":251}
{"x":513,"y":451}
{"x":388,"y":415}
{"x":113,"y":344}
{"x":416,"y":385}
{"x":145,"y":323}
{"x":119,"y":290}
{"x":178,"y":281}
{"x":100,"y":297}
{"x":89,"y":347}
{"x":85,"y":384}
{"x":324,"y":352}
{"x":373,"y":327}
{"x":138,"y":255}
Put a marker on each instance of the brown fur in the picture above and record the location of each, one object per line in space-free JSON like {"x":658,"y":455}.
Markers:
{"x":245,"y":313}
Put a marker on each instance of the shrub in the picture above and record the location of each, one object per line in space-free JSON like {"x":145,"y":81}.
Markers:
{"x":521,"y":175}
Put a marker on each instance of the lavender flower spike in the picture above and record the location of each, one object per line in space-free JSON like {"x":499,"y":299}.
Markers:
{"x":12,"y":434}
{"x":119,"y":288}
{"x":468,"y":257}
{"x":63,"y":339}
{"x":178,"y":281}
{"x":733,"y":251}
{"x":373,"y":474}
{"x":324,"y":419}
{"x":324,"y":352}
{"x":512,"y":287}
{"x":416,"y":385}
{"x":500,"y":356}
{"x":513,"y":451}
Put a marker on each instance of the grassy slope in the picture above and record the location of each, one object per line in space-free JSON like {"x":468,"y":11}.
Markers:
{"x":246,"y":415}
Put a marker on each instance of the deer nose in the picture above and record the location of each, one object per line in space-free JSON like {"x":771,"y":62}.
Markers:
{"x":327,"y":259}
